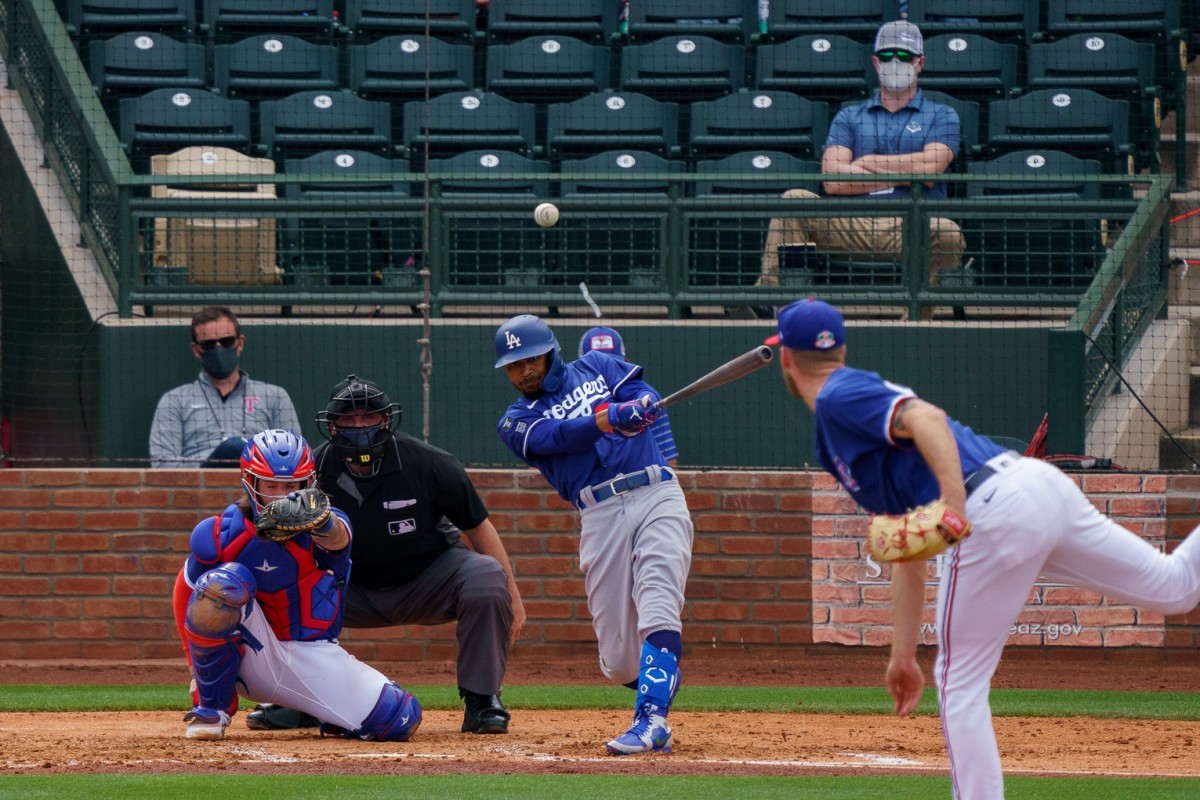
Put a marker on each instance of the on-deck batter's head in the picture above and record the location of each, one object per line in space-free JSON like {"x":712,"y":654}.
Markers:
{"x":525,"y":336}
{"x":604,"y":339}
{"x":809,"y":325}
{"x":360,"y":447}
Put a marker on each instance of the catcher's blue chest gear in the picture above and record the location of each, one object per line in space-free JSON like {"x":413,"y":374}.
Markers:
{"x":572,"y":459}
{"x":853,"y":442}
{"x":300,"y":587}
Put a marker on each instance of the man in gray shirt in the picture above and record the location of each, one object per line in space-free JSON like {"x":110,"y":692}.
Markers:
{"x":207,"y":422}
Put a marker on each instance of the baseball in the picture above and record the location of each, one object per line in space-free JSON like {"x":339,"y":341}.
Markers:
{"x":546,"y":215}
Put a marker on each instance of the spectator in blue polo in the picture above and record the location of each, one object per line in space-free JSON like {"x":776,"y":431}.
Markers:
{"x":896,"y":131}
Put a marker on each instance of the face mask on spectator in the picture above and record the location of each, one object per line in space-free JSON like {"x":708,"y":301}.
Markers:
{"x":897,"y":76}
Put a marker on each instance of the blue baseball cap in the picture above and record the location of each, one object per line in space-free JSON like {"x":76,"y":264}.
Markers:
{"x":809,"y":325}
{"x":606,"y":340}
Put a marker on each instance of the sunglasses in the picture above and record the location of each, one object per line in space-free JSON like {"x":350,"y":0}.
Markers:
{"x":225,"y":341}
{"x":888,"y":55}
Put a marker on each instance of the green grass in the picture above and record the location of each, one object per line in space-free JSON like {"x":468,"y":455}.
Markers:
{"x":813,"y":700}
{"x":574,"y":787}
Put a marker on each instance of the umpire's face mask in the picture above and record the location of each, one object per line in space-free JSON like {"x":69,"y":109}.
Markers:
{"x":361,"y":448}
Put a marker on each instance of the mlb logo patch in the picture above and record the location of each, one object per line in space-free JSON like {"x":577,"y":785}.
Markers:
{"x":402,"y":526}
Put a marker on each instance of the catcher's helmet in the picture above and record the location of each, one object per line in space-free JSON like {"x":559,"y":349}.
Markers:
{"x":526,"y":336}
{"x":362,"y":448}
{"x":606,"y":340}
{"x":275,"y":455}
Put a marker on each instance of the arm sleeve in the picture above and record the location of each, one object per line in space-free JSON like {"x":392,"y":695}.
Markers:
{"x":841,"y":131}
{"x":946,"y":128}
{"x":166,"y":434}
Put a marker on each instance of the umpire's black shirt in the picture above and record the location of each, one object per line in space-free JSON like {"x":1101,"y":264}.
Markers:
{"x":395,"y":513}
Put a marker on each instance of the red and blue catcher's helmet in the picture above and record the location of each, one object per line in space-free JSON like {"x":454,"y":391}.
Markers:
{"x":275,"y":455}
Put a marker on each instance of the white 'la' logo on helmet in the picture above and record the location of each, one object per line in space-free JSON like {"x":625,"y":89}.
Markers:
{"x":511,"y":340}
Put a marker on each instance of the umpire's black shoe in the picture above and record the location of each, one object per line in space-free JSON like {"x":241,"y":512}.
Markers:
{"x":484,"y":713}
{"x":270,"y":717}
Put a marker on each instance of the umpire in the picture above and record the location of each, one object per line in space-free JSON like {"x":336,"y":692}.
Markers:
{"x":407,"y":502}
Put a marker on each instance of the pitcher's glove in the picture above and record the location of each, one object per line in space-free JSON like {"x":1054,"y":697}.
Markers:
{"x":303,"y":511}
{"x":921,"y":533}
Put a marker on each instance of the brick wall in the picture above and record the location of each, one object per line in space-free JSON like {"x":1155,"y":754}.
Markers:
{"x":88,"y":558}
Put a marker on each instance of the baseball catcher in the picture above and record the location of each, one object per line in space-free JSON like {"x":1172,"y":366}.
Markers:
{"x":921,"y":533}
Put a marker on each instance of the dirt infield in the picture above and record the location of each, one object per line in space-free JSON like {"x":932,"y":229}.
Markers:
{"x":558,"y":741}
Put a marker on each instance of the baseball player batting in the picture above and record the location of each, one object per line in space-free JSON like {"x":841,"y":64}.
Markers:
{"x":1008,"y":519}
{"x":584,"y":426}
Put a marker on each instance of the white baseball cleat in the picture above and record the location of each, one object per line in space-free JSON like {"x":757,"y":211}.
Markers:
{"x":206,"y":724}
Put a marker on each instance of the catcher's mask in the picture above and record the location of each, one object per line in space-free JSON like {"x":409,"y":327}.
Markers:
{"x":359,"y":447}
{"x":275,"y":455}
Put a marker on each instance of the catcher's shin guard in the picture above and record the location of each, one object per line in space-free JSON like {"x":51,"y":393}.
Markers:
{"x":214,"y":633}
{"x":395,"y":718}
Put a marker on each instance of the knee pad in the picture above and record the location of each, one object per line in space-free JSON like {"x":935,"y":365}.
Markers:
{"x":215,"y":609}
{"x":395,"y":718}
{"x":658,"y":678}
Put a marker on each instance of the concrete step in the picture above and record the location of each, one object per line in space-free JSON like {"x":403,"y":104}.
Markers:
{"x":1169,"y":455}
{"x":1186,"y":232}
{"x":1167,"y":149}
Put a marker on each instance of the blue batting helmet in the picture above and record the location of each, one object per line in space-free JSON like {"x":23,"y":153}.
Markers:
{"x":526,"y":336}
{"x":275,"y":455}
{"x":606,"y":340}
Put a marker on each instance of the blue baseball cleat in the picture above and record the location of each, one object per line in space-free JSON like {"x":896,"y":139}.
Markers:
{"x":649,"y":734}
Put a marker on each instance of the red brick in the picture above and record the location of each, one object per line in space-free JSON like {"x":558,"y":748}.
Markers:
{"x":83,"y":498}
{"x":25,"y":498}
{"x":1111,"y":484}
{"x":723,"y":522}
{"x":140,"y":542}
{"x":512,"y":500}
{"x":491,"y":478}
{"x":517,"y":543}
{"x":105,"y":562}
{"x":700,"y":589}
{"x":124,"y":585}
{"x":724,"y":480}
{"x":783,"y":523}
{"x":779,"y":612}
{"x":25,"y":630}
{"x":745,"y":590}
{"x":563,"y":587}
{"x":57,"y":651}
{"x":12,"y":477}
{"x":749,"y":501}
{"x":549,"y":609}
{"x":527,"y":566}
{"x":795,"y":590}
{"x":799,"y":545}
{"x":81,"y":584}
{"x":58,"y":565}
{"x":113,"y":477}
{"x":705,"y":544}
{"x":796,"y":502}
{"x":747,"y":634}
{"x":53,"y":477}
{"x":25,"y":542}
{"x":79,"y":541}
{"x":562,"y":544}
{"x":174,"y":477}
{"x":720,"y":566}
{"x":142,"y":498}
{"x":51,"y":607}
{"x":143,"y":629}
{"x":569,"y":632}
{"x":54,"y":520}
{"x":798,"y":481}
{"x":11,"y":520}
{"x":1136,"y":506}
{"x":733,"y":612}
{"x":81,"y":629}
{"x":112,"y":520}
{"x":548,"y":521}
{"x":748,"y":545}
{"x":27,"y":587}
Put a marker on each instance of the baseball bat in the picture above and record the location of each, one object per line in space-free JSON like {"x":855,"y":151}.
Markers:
{"x":730,"y":371}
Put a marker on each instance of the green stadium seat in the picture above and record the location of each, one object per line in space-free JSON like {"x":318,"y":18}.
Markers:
{"x":682,"y":69}
{"x":1033,"y":251}
{"x":857,"y":19}
{"x":271,"y":66}
{"x":457,"y":122}
{"x":971,"y":67}
{"x":1078,"y":121}
{"x":758,"y":120}
{"x":87,"y":19}
{"x":727,"y":251}
{"x":547,"y":68}
{"x":1137,"y":19}
{"x":970,"y":123}
{"x":306,"y":123}
{"x":133,"y":63}
{"x":622,"y":247}
{"x":1002,"y":20}
{"x":230,"y":20}
{"x":405,"y":67}
{"x":353,"y":248}
{"x":166,"y":120}
{"x":497,"y":248}
{"x":609,"y":121}
{"x":591,"y":20}
{"x":446,"y":19}
{"x":820,"y":67}
{"x":727,"y":20}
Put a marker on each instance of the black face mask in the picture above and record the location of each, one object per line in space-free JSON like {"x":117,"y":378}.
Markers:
{"x":220,"y":362}
{"x":361,"y":447}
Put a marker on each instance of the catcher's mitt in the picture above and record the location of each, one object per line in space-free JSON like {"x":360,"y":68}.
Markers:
{"x":922,"y":533}
{"x":305,"y":511}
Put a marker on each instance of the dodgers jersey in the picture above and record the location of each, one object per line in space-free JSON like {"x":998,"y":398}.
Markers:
{"x":853,"y":442}
{"x":300,"y":587}
{"x":556,"y":432}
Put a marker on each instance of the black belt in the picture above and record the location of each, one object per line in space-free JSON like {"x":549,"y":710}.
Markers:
{"x":622,"y":484}
{"x":978,"y":478}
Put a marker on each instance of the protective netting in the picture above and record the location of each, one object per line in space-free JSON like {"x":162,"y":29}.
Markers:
{"x":357,"y":180}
